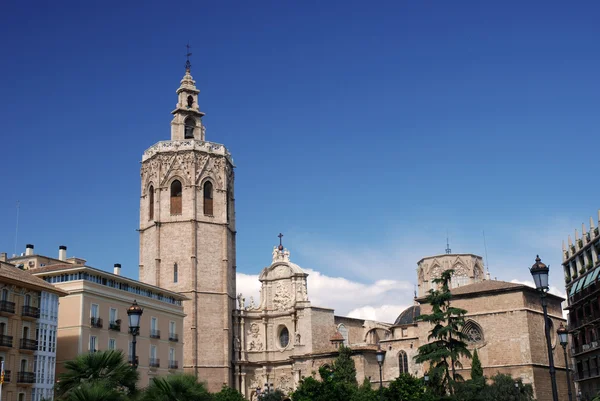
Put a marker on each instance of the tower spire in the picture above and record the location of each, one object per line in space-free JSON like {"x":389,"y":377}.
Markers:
{"x":448,"y":250}
{"x":188,"y":65}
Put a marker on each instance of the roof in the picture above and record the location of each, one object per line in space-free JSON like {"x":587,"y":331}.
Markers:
{"x":493,"y":286}
{"x":408,"y":315}
{"x":12,"y":274}
{"x":337,"y":336}
{"x":69,"y":266}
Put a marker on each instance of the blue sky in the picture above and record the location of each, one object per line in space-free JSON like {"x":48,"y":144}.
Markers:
{"x":361,"y":131}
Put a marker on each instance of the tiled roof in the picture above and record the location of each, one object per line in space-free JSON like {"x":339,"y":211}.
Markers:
{"x":337,"y":336}
{"x":10,"y":273}
{"x":485,"y":286}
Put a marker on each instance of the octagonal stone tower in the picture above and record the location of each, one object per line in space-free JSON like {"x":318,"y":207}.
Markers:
{"x":468,"y":269}
{"x":187,"y":235}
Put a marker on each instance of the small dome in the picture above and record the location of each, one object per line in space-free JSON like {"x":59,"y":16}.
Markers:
{"x":408,"y":316}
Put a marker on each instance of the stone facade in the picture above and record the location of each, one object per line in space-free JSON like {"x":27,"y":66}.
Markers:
{"x":187,"y":234}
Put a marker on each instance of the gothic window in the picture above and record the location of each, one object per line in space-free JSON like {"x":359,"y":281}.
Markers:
{"x":151,"y":203}
{"x":344,"y":332}
{"x":284,"y":337}
{"x":176,"y":197}
{"x":473,"y":332}
{"x":208,"y":198}
{"x":190,"y":124}
{"x":403,"y":362}
{"x":175,"y":273}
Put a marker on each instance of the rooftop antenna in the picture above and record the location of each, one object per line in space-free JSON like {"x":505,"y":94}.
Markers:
{"x":487,"y":267}
{"x":17,"y":229}
{"x":448,"y":250}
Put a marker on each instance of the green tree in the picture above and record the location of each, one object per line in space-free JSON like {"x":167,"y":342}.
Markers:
{"x":276,"y":395}
{"x":406,"y":387}
{"x":344,"y":368}
{"x":503,"y":388}
{"x":447,"y":343}
{"x":228,"y":394}
{"x":94,"y":392}
{"x":309,"y":389}
{"x":179,"y":387}
{"x":476,"y":369}
{"x":365,"y":392}
{"x":105,"y":368}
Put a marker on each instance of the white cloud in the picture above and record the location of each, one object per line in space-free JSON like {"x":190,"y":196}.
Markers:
{"x":381,"y":300}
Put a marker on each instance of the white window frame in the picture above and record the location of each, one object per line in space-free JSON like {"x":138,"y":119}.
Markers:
{"x":113,"y":342}
{"x":153,"y":324}
{"x":92,"y":310}
{"x":172,"y":328}
{"x":95,"y":343}
{"x":153,"y":352}
{"x":116,"y":315}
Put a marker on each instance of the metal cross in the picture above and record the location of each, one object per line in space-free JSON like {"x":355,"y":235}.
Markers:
{"x":188,"y":65}
{"x":280,"y":237}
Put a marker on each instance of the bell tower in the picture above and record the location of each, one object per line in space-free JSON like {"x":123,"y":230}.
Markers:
{"x":187,"y":235}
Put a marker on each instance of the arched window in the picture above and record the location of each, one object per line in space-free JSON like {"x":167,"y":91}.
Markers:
{"x":403,"y":362}
{"x":344,"y":332}
{"x":473,"y":332}
{"x":190,"y":101}
{"x":190,"y":124}
{"x":208,"y":198}
{"x":151,"y":203}
{"x":175,"y":272}
{"x":176,"y":197}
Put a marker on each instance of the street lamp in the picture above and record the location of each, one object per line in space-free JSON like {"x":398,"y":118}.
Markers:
{"x":380,"y":357}
{"x":135,"y":313}
{"x":563,"y":338}
{"x":539,"y":272}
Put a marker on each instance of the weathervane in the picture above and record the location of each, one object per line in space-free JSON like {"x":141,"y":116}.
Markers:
{"x":448,"y":250}
{"x":188,"y":65}
{"x":280,"y":244}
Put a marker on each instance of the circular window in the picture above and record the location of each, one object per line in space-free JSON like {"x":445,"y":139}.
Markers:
{"x":284,"y":337}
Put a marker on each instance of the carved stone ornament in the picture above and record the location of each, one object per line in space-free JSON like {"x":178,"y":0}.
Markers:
{"x":283,"y":299}
{"x":285,"y":384}
{"x":255,"y":344}
{"x":280,"y":256}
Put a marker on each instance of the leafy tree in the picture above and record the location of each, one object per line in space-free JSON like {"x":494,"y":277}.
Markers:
{"x":365,"y":392}
{"x":344,"y":368}
{"x":447,"y":343}
{"x":406,"y":387}
{"x":179,"y":387}
{"x":228,"y":394}
{"x":503,"y":389}
{"x":276,"y":395}
{"x":94,"y":392}
{"x":309,"y":389}
{"x":107,"y":369}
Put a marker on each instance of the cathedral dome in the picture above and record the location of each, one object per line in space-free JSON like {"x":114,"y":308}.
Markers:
{"x":408,"y":316}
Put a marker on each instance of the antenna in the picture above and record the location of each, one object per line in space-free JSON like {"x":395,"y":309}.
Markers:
{"x":487,"y":267}
{"x":448,"y":250}
{"x":17,"y":229}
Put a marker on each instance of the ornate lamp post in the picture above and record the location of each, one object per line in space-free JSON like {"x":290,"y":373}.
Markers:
{"x":563,"y":338}
{"x":135,"y":313}
{"x":380,"y":357}
{"x":539,"y":272}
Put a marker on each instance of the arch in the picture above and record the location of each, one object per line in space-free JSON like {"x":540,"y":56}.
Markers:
{"x":151,"y":202}
{"x":207,"y":191}
{"x":190,"y":101}
{"x":474,"y":332}
{"x":176,"y":197}
{"x":190,"y":124}
{"x":343,"y":330}
{"x":402,"y":362}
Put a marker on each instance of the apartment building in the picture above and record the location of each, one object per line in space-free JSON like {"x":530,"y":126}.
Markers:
{"x":28,"y":324}
{"x":93,"y":316}
{"x":581,"y":264}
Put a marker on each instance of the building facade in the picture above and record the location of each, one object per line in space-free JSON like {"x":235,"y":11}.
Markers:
{"x":28,"y":317}
{"x":187,"y":234}
{"x":581,"y":265}
{"x":93,"y":315}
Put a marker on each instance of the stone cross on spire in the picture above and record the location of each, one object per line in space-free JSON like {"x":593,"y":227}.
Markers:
{"x":280,"y":244}
{"x":188,"y":65}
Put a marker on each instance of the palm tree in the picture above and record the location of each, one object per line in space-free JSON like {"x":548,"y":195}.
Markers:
{"x":108,"y":369}
{"x":94,"y":392}
{"x":178,"y":387}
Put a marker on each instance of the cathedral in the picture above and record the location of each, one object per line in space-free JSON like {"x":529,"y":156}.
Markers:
{"x":188,"y":245}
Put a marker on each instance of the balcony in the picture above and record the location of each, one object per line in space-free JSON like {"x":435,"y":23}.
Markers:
{"x":116,"y":325}
{"x":173,"y":365}
{"x":7,"y":307}
{"x":6,"y":341}
{"x":7,"y":376}
{"x":154,"y":363}
{"x":25,"y":377}
{"x":30,"y":312}
{"x":154,"y":333}
{"x":173,"y":337}
{"x":30,"y":345}
{"x":96,"y":322}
